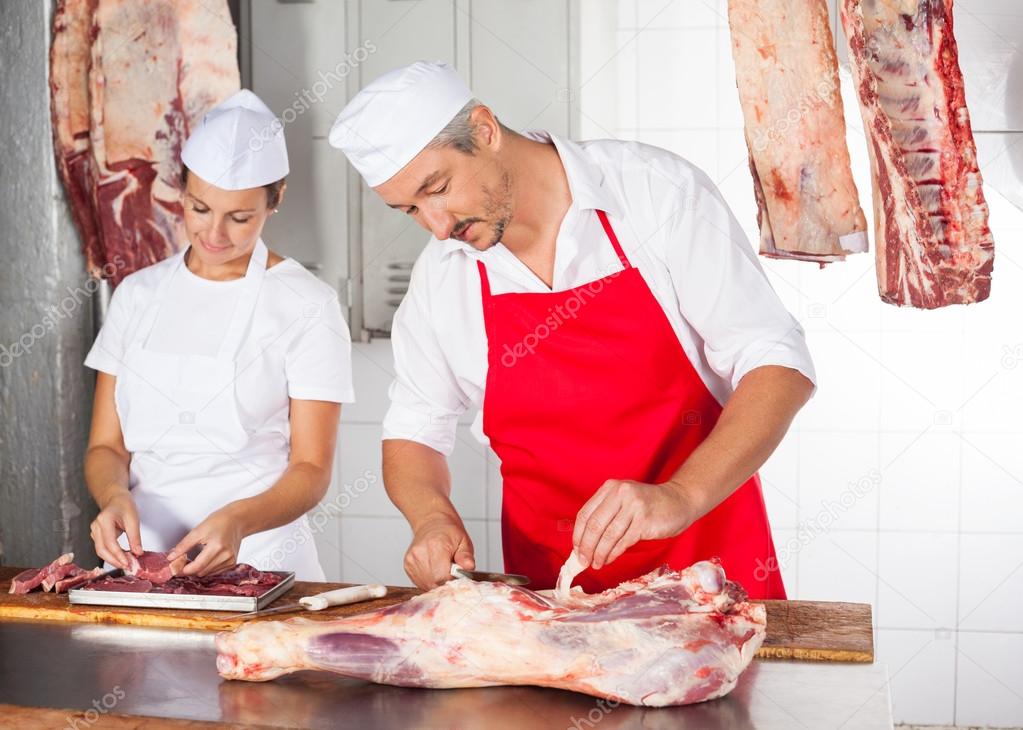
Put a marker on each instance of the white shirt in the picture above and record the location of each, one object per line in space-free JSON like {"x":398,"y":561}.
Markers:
{"x":196,"y":300}
{"x":297,"y":344}
{"x":673,"y":225}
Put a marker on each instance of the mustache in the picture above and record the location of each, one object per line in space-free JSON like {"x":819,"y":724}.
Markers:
{"x":462,"y":225}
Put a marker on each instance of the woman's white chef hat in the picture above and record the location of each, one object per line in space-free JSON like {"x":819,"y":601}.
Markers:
{"x":393,"y":118}
{"x":238,"y":144}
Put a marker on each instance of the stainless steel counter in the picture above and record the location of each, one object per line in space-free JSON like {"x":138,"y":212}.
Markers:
{"x":171,"y":673}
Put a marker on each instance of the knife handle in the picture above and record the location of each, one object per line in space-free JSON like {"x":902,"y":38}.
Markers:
{"x":342,"y":596}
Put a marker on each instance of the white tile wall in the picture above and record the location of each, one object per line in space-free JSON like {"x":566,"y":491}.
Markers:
{"x":925,"y":404}
{"x":921,"y":671}
{"x":990,"y":684}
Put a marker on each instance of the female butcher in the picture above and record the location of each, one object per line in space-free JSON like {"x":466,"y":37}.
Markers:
{"x":221,"y":371}
{"x":601,"y":306}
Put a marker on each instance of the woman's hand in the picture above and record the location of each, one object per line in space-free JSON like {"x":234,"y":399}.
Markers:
{"x":220,"y":535}
{"x":117,"y":515}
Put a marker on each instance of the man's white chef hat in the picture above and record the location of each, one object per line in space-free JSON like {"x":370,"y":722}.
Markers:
{"x":393,"y":118}
{"x":238,"y":144}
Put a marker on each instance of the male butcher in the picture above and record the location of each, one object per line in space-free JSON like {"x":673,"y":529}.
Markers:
{"x":601,"y":306}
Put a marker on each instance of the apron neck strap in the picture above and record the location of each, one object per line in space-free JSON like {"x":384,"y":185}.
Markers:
{"x":247,"y":301}
{"x":613,"y":239}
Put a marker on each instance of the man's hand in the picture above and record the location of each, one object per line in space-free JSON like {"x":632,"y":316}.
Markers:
{"x":437,"y":543}
{"x":621,"y":513}
{"x":220,"y":534}
{"x":118,"y":515}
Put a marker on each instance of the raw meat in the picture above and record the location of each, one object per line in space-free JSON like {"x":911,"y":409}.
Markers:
{"x":130,"y":80}
{"x":154,"y":567}
{"x":239,"y":580}
{"x":77,"y":578}
{"x":667,"y":638}
{"x":57,"y":575}
{"x":123,"y":583}
{"x":32,"y":578}
{"x":934,"y":247}
{"x":787,"y":75}
{"x":70,"y":56}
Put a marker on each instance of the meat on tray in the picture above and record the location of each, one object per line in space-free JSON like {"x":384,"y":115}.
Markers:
{"x":150,"y":572}
{"x":934,"y":246}
{"x":122,"y":584}
{"x":787,"y":74}
{"x":667,"y":638}
{"x":151,"y":575}
{"x":29,"y":580}
{"x":154,"y":567}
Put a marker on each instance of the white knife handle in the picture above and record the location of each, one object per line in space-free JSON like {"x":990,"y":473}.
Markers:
{"x":343,"y":596}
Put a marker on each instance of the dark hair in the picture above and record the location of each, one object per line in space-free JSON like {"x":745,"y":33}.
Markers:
{"x":273,"y":190}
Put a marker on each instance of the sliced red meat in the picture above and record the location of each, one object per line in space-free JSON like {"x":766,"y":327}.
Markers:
{"x":154,"y":567}
{"x":242,"y":574}
{"x":32,"y":578}
{"x":76,"y":579}
{"x":58,"y":574}
{"x":124,"y":584}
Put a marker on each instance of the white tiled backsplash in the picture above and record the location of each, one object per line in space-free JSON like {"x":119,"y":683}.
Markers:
{"x":900,"y":484}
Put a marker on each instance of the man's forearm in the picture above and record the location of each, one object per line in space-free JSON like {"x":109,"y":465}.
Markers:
{"x":418,"y":481}
{"x":750,"y":427}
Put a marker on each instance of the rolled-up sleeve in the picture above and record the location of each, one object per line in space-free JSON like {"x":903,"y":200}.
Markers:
{"x":425,"y":398}
{"x":725,"y":295}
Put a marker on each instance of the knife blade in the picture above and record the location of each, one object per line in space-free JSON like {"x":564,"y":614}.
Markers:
{"x":320,"y":601}
{"x":512,"y":579}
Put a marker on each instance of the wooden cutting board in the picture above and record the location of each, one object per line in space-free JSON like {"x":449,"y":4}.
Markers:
{"x":811,"y":630}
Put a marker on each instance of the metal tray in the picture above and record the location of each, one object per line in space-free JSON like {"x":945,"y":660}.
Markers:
{"x":184,"y":601}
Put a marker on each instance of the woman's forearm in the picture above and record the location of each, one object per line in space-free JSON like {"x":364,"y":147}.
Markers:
{"x":106,"y":473}
{"x":750,"y":427}
{"x":299,"y":489}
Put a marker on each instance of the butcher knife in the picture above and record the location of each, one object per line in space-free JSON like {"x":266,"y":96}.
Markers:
{"x":339,"y":597}
{"x":512,"y":579}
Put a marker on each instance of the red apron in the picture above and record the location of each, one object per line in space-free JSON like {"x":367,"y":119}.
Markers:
{"x":591,"y":384}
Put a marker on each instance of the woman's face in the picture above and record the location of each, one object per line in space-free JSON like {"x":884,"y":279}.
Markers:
{"x":222,"y":225}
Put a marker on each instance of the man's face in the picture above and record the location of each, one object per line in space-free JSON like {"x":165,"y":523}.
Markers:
{"x":455,"y":195}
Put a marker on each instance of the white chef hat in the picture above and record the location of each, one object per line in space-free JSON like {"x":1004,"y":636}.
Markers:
{"x":393,"y":118}
{"x":238,"y":144}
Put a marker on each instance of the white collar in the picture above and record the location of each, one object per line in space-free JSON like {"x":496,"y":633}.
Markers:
{"x":586,"y":183}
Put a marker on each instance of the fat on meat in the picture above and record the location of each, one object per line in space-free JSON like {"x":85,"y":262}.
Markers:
{"x":787,"y":76}
{"x":667,"y":638}
{"x":129,"y":80}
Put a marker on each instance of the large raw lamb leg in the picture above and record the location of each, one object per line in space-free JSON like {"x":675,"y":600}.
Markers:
{"x":934,"y":246}
{"x":156,"y":66}
{"x":787,"y":75}
{"x":668,"y":638}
